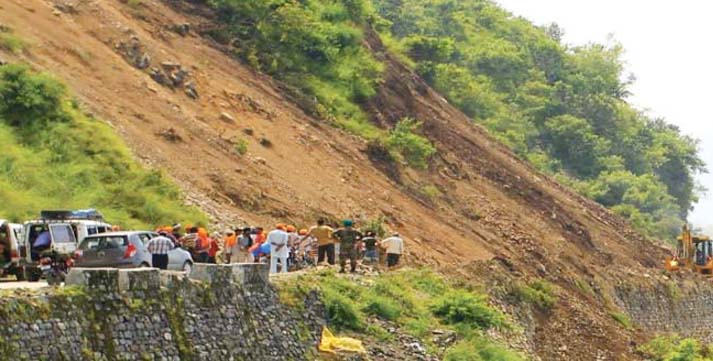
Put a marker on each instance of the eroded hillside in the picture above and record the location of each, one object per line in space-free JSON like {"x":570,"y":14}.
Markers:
{"x":183,"y":104}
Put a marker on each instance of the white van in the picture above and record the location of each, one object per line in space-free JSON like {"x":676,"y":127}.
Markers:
{"x":59,"y":232}
{"x":11,"y":236}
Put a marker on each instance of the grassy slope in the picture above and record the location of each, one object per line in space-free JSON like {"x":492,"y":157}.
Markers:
{"x":416,"y":301}
{"x":80,"y":162}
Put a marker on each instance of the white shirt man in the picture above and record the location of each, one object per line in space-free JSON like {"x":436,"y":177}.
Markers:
{"x":278,"y":239}
{"x":394,"y":249}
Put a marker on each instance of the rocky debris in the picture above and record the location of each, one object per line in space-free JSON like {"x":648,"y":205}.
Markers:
{"x":248,"y":131}
{"x":265,"y":142}
{"x":180,"y":29}
{"x":248,"y":103}
{"x":171,"y":135}
{"x":173,"y":75}
{"x":227,"y":117}
{"x":3,"y":61}
{"x":67,"y":6}
{"x":190,"y":90}
{"x":134,"y":52}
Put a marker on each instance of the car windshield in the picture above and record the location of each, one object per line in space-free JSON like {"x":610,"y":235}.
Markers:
{"x":103,"y":243}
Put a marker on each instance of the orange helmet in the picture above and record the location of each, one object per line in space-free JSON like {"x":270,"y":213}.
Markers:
{"x":202,"y":232}
{"x":291,"y":228}
{"x":280,"y":226}
{"x":302,"y":232}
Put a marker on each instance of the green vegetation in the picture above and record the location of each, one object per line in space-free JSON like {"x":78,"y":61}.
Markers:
{"x":316,"y":47}
{"x":461,"y":306}
{"x":55,"y":156}
{"x":480,"y":349}
{"x":418,"y":301}
{"x":563,"y":109}
{"x":241,"y":146}
{"x":674,"y":348}
{"x":415,"y":149}
{"x":539,"y":293}
{"x":622,"y":319}
{"x":11,"y":42}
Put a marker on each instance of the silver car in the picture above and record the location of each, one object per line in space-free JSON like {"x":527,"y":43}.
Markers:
{"x":126,"y":250}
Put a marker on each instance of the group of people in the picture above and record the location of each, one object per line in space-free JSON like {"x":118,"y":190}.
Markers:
{"x":285,"y":246}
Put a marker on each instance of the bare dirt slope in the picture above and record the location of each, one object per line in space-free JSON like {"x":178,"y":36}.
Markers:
{"x":491,"y":204}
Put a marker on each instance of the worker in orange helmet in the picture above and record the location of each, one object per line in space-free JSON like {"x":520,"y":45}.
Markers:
{"x":202,"y":246}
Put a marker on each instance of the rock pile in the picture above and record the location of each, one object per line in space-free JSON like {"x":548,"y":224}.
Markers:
{"x":134,"y":52}
{"x":174,"y":76}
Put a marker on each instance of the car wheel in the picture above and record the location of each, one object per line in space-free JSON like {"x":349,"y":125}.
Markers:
{"x":144,"y":265}
{"x":187,"y":267}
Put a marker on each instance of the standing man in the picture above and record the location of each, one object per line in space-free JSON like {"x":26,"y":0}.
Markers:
{"x":349,"y":239}
{"x":228,"y":243}
{"x":241,"y":249}
{"x":159,"y":248}
{"x":325,"y":243}
{"x":394,"y":249}
{"x":277,"y":239}
{"x":371,"y":255}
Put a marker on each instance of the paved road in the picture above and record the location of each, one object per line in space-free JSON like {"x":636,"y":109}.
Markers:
{"x":7,"y":285}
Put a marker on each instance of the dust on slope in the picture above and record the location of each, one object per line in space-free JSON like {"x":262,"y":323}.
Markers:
{"x":491,"y":203}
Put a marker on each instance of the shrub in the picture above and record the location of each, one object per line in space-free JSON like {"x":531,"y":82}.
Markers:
{"x":478,"y":349}
{"x":415,"y":149}
{"x":539,"y":293}
{"x":430,"y":191}
{"x":11,"y":42}
{"x":463,"y":307}
{"x":622,"y":319}
{"x":376,"y":225}
{"x":29,"y":97}
{"x":241,"y":147}
{"x":383,"y":307}
{"x":343,"y":312}
{"x":673,"y":348}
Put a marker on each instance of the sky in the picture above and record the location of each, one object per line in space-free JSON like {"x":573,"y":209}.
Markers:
{"x":668,"y":49}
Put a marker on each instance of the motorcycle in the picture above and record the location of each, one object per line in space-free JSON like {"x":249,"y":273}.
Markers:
{"x":55,"y":266}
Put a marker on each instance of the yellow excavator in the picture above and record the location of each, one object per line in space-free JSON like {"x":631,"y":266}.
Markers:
{"x":693,"y":252}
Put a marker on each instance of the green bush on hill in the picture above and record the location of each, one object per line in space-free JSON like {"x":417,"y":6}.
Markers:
{"x":416,"y":301}
{"x":54,"y":156}
{"x":564,"y":109}
{"x":674,"y":348}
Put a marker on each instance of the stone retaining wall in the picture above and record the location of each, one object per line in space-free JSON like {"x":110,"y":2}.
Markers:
{"x":683,"y":305}
{"x":232,"y":313}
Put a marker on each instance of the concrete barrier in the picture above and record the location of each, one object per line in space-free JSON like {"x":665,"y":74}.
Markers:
{"x":246,"y":274}
{"x":113,"y":279}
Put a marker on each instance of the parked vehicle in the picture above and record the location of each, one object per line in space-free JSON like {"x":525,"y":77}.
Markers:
{"x":10,"y":239}
{"x":126,"y":250}
{"x":56,"y":235}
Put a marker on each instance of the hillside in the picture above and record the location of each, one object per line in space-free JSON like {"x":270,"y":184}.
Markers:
{"x":242,"y":148}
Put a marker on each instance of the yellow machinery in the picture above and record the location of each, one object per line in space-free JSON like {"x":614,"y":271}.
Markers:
{"x":692,"y":252}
